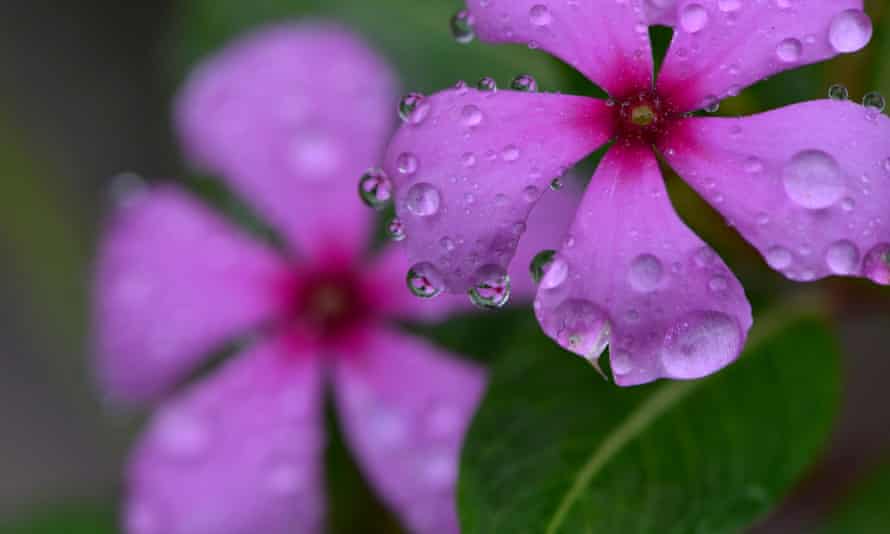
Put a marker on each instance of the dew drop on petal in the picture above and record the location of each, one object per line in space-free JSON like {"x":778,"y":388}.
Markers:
{"x":789,"y":50}
{"x":779,"y":258}
{"x":182,"y":436}
{"x":510,"y":153}
{"x":407,"y":163}
{"x":539,"y":15}
{"x":842,"y":257}
{"x":876,"y":265}
{"x":555,"y":184}
{"x":728,"y":6}
{"x":700,"y":343}
{"x":470,"y":115}
{"x":525,"y":83}
{"x":425,"y":281}
{"x":487,"y":84}
{"x":813,"y":180}
{"x":838,"y":92}
{"x":375,"y":188}
{"x":422,"y":199}
{"x":693,"y":18}
{"x":491,"y":289}
{"x":540,"y":263}
{"x":620,"y":362}
{"x":874,"y":101}
{"x":850,"y":31}
{"x":718,"y":284}
{"x":413,"y":108}
{"x":462,"y":27}
{"x":396,"y":229}
{"x":581,"y":327}
{"x":646,"y":272}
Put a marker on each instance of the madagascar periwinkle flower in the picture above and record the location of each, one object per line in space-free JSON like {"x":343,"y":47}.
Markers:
{"x":808,"y":185}
{"x":287,"y":116}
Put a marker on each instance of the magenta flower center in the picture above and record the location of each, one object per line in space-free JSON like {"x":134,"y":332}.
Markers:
{"x":327,"y":304}
{"x":641,"y":118}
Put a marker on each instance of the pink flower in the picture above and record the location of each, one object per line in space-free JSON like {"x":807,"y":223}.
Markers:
{"x":807,"y":185}
{"x":288,"y":117}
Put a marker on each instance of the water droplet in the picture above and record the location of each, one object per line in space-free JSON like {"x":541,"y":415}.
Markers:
{"x":182,"y":436}
{"x":789,"y":50}
{"x":396,"y":229}
{"x":718,"y":284}
{"x":468,"y":159}
{"x":491,"y":289}
{"x":470,"y":115}
{"x":531,"y":193}
{"x":779,"y":258}
{"x":813,"y":180}
{"x":539,"y":15}
{"x":556,"y":184}
{"x":447,"y":243}
{"x":413,"y":108}
{"x":487,"y":84}
{"x":581,"y":327}
{"x":700,"y":343}
{"x":848,"y":204}
{"x":838,"y":92}
{"x":877,"y":264}
{"x":425,"y":281}
{"x":422,"y":199}
{"x":646,"y":272}
{"x":525,"y":83}
{"x":510,"y":153}
{"x":620,"y":362}
{"x":462,"y":27}
{"x":406,"y":163}
{"x":693,"y":18}
{"x":850,"y":31}
{"x":728,"y":6}
{"x":540,"y":264}
{"x":842,"y":257}
{"x":874,"y":101}
{"x":753,"y":165}
{"x":375,"y":188}
{"x":711,"y":104}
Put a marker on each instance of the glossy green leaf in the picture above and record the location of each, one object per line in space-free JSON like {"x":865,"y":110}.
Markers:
{"x":866,"y":509}
{"x":554,"y":449}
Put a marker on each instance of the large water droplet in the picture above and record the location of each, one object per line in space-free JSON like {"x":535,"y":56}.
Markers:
{"x":396,"y":229}
{"x":646,"y":272}
{"x":555,"y":184}
{"x":487,"y":84}
{"x":425,"y":281}
{"x":779,"y":258}
{"x":842,"y":258}
{"x":700,"y":343}
{"x":693,"y":18}
{"x":876,"y":265}
{"x":581,"y":327}
{"x":539,"y":15}
{"x":413,"y":108}
{"x":838,"y":92}
{"x":813,"y":180}
{"x":422,"y":199}
{"x":525,"y":83}
{"x":407,"y":163}
{"x":874,"y":101}
{"x":462,"y":27}
{"x":850,"y":31}
{"x":375,"y":188}
{"x":540,"y":264}
{"x":491,"y":289}
{"x":789,"y":50}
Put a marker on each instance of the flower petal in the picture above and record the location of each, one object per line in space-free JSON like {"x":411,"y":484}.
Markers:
{"x":482,"y":161}
{"x":291,"y":116}
{"x":723,"y":46}
{"x":239,"y":453}
{"x":173,"y":282}
{"x":633,"y":276}
{"x":607,"y":41}
{"x":814,"y":204}
{"x":405,"y":406}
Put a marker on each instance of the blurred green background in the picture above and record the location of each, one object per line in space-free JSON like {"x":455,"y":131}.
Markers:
{"x":86,"y":95}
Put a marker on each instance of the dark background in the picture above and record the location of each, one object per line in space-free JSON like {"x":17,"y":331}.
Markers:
{"x":85,"y":95}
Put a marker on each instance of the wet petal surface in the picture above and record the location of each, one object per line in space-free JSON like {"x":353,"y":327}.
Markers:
{"x":405,"y":406}
{"x":631,"y":276}
{"x":173,"y":282}
{"x":815,"y":204}
{"x":240,"y":453}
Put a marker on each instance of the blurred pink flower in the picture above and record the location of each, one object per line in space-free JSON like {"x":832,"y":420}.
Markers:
{"x":289,"y":117}
{"x":808,"y":185}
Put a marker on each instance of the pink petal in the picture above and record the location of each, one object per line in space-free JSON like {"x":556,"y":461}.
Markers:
{"x":808,"y":185}
{"x":173,"y":282}
{"x":632,"y":275}
{"x":723,"y":46}
{"x":240,"y":453}
{"x":483,"y":160}
{"x":291,"y":116}
{"x":405,"y":406}
{"x":607,"y":41}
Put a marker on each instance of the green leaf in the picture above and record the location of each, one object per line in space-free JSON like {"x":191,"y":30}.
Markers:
{"x":865,"y":510}
{"x":74,"y":518}
{"x":554,"y":449}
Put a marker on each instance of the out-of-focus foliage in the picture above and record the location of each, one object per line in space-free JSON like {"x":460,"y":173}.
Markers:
{"x":867,"y":509}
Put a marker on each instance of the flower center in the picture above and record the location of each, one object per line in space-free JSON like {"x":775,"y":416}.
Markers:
{"x":641,"y":118}
{"x":327,"y":304}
